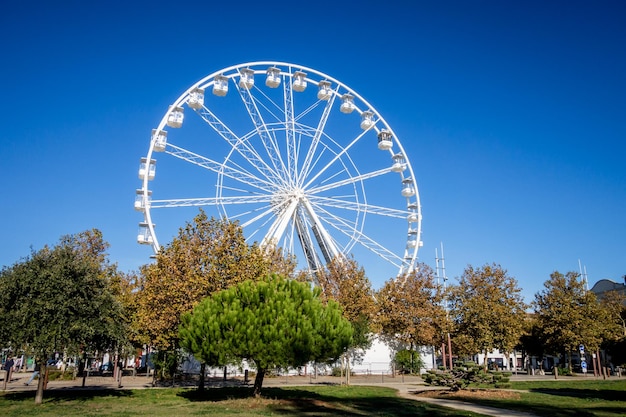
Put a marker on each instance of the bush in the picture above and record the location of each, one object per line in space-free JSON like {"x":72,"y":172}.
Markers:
{"x":166,"y":364}
{"x":336,"y":371}
{"x":408,"y":362}
{"x":466,"y":375}
{"x":56,"y":375}
{"x":564,"y":371}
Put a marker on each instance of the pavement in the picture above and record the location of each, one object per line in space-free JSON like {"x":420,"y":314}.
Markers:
{"x":407,"y":387}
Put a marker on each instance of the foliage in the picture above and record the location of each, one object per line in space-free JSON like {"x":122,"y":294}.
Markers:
{"x":467,"y":375}
{"x":62,"y":299}
{"x":345,"y":282}
{"x":166,"y":363}
{"x":275,"y":322}
{"x":531,"y":340}
{"x":613,"y":315}
{"x":564,"y":371}
{"x":567,"y":315}
{"x":410,"y":309}
{"x":208,"y":255}
{"x":408,"y":362}
{"x":487,"y":309}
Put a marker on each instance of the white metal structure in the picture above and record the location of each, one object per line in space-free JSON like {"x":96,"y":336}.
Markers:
{"x":298,"y":158}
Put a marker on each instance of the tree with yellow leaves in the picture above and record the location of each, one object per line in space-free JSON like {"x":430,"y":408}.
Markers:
{"x":488,"y":311}
{"x":208,"y":255}
{"x":410,"y":309}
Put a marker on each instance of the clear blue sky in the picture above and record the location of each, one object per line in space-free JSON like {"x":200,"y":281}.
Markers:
{"x":513,"y":114}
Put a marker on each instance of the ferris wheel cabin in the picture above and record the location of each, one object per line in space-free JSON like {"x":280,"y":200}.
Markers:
{"x":196,"y":98}
{"x":144,"y":236}
{"x":273,"y":77}
{"x":384,"y":140}
{"x":220,"y":85}
{"x":142,"y":200}
{"x":145,"y":167}
{"x":175,"y":118}
{"x":347,"y":104}
{"x":159,"y":137}
{"x":299,"y":81}
{"x":246,"y":79}
{"x":324,"y":92}
{"x":399,"y":163}
{"x":367,"y":120}
{"x":408,"y":190}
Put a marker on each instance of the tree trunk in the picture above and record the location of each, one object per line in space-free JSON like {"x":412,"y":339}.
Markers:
{"x":485,"y":364}
{"x":258,"y":381}
{"x":202,"y":374}
{"x":40,"y":385}
{"x":569,"y":362}
{"x":450,"y":351}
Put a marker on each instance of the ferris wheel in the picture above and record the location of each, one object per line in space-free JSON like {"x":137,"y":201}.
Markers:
{"x":298,"y":158}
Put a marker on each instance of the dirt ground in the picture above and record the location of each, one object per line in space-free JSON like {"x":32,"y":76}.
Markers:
{"x":476,"y":393}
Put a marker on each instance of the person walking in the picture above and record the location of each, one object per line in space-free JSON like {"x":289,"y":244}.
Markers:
{"x":35,"y":373}
{"x":8,"y":368}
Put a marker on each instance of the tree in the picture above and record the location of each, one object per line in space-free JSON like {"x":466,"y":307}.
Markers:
{"x":566,"y":314}
{"x":207,"y":256}
{"x":531,"y":341}
{"x":275,"y":322}
{"x":61,"y":299}
{"x":613,"y":312}
{"x":343,"y":281}
{"x":410,"y":309}
{"x":612,"y":317}
{"x":487,"y":310}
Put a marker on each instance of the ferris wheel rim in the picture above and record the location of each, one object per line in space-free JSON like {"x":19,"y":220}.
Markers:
{"x":233,"y":71}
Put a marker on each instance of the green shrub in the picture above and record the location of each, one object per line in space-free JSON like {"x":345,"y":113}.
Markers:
{"x":565,"y":371}
{"x":408,"y":362}
{"x":57,"y":375}
{"x":466,"y":375}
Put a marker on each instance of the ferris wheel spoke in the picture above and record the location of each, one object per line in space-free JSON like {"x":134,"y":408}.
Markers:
{"x":267,"y":214}
{"x":290,"y":131}
{"x":239,"y":175}
{"x":277,"y":229}
{"x":356,"y":206}
{"x":269,"y":142}
{"x":348,"y":230}
{"x":242,"y":147}
{"x":307,"y":164}
{"x":350,"y":180}
{"x":334,"y":159}
{"x":210,"y":201}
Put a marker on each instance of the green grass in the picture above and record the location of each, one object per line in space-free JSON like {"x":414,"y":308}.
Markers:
{"x":293,"y":401}
{"x":563,"y":398}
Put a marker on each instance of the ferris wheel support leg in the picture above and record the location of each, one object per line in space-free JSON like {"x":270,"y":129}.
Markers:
{"x":325,"y":242}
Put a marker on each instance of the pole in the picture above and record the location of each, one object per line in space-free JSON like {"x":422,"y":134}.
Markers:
{"x":450,"y":350}
{"x":443,"y":355}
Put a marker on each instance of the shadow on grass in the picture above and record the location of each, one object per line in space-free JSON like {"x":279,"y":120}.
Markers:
{"x":58,"y":395}
{"x":595,"y":407}
{"x":297,"y":402}
{"x":606,"y":395}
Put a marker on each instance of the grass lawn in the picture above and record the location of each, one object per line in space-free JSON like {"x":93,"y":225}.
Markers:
{"x":561,"y":398}
{"x":292,"y":401}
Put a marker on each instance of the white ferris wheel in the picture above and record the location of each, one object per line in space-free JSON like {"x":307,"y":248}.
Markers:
{"x":298,"y":158}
